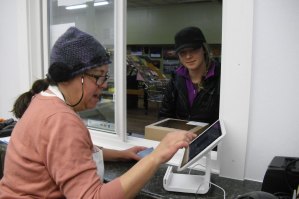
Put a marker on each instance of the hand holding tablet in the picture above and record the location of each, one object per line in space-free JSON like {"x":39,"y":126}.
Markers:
{"x":202,"y":144}
{"x":199,"y":147}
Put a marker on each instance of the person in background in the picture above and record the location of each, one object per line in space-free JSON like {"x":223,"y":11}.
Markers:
{"x":194,"y":89}
{"x":50,"y":153}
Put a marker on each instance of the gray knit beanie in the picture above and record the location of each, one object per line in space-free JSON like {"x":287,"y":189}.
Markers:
{"x":74,"y":53}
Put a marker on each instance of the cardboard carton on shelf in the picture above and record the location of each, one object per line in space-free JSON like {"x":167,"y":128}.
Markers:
{"x":158,"y":130}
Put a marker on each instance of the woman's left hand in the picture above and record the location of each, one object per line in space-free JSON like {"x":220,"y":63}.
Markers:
{"x":122,"y":155}
{"x":131,"y":153}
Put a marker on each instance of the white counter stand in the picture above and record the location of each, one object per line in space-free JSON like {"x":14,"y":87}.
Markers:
{"x":188,"y":183}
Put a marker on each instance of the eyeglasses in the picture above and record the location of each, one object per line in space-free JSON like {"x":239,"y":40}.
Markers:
{"x":100,"y":79}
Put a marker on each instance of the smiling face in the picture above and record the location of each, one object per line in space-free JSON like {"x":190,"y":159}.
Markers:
{"x":192,"y":58}
{"x":90,"y":84}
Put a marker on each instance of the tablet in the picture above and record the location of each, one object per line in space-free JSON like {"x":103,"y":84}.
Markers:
{"x":202,"y":144}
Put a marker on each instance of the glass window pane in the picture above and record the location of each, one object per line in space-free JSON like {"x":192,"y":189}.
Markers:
{"x":98,"y":20}
{"x":151,"y":27}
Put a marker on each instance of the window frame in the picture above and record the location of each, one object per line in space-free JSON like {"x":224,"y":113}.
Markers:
{"x":119,"y":139}
{"x":232,"y":159}
{"x":120,"y":42}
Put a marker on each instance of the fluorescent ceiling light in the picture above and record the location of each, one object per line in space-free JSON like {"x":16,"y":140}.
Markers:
{"x":76,"y":7}
{"x":79,"y":6}
{"x":101,"y":3}
{"x":72,"y":2}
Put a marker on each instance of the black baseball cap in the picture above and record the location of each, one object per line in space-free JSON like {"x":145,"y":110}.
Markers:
{"x":189,"y":37}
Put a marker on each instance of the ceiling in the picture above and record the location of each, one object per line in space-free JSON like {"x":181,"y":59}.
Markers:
{"x":152,"y":3}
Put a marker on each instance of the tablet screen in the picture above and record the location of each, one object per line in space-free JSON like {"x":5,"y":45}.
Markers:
{"x":206,"y":141}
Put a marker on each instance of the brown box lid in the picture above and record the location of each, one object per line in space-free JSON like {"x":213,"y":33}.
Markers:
{"x":158,"y":130}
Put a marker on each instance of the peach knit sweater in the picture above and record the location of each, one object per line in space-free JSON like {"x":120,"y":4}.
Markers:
{"x":50,"y":156}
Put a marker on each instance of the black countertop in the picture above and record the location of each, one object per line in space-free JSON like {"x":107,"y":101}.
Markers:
{"x":154,"y":188}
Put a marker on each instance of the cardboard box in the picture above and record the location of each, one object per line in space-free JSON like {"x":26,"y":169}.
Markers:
{"x":158,"y":130}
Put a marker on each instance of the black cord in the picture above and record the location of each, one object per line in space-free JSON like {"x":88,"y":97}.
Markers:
{"x":73,"y":105}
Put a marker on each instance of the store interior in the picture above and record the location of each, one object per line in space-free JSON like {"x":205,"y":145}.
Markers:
{"x":154,"y":54}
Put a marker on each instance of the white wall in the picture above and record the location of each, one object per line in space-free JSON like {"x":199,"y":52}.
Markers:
{"x":14,"y":75}
{"x":235,"y":85}
{"x":162,"y":22}
{"x":259,"y":98}
{"x":274,"y":104}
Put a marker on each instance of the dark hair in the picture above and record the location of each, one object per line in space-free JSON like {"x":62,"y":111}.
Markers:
{"x":207,"y":55}
{"x":23,"y":101}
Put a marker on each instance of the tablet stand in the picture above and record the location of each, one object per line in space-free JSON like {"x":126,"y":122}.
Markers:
{"x":188,"y":183}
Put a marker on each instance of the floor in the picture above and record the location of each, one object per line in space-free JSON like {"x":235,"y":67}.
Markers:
{"x":138,"y":118}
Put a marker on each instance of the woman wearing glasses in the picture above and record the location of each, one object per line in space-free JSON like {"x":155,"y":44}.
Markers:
{"x":50,"y":153}
{"x":194,"y":90}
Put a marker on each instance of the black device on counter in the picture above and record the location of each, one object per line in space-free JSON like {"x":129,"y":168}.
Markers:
{"x":282,"y":175}
{"x":6,"y":127}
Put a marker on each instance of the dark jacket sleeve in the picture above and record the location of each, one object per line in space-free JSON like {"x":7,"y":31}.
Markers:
{"x":167,"y":109}
{"x":205,"y":107}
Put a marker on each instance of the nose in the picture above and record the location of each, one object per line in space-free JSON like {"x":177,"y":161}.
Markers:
{"x":188,"y":54}
{"x":104,"y":85}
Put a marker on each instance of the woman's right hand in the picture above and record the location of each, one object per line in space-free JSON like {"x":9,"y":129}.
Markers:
{"x":133,"y":180}
{"x":170,"y":144}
